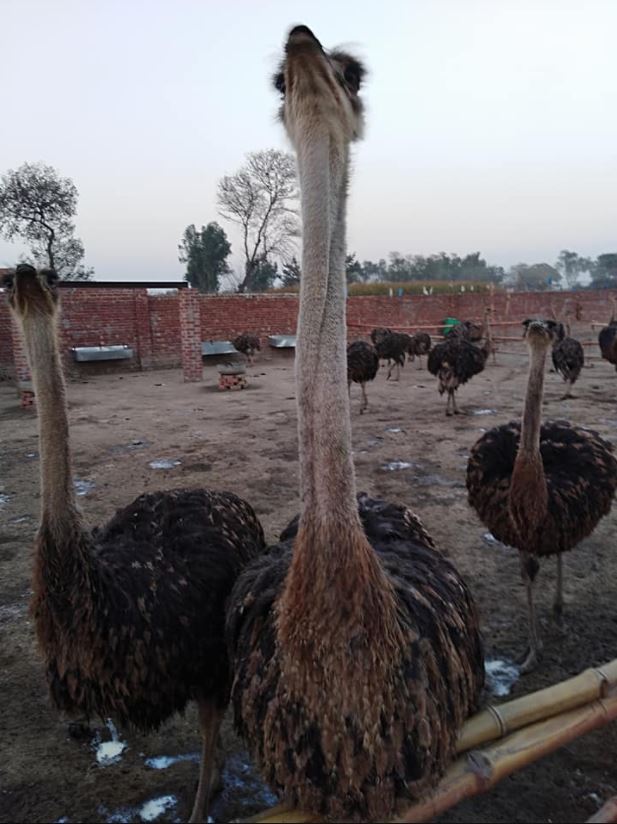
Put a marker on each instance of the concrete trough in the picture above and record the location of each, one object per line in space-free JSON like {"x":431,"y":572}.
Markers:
{"x":101,"y":353}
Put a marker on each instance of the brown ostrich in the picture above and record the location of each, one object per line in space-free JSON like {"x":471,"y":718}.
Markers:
{"x":355,"y":642}
{"x":420,"y":345}
{"x":608,"y":337}
{"x":247,"y":344}
{"x":362,"y":366}
{"x":540,"y":488}
{"x":130,"y":616}
{"x":568,"y":357}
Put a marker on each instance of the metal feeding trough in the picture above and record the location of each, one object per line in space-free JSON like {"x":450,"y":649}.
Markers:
{"x":98,"y":353}
{"x":218,"y":347}
{"x":282,"y":341}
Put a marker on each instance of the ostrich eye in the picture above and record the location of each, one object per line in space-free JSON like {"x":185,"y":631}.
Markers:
{"x":279,"y":82}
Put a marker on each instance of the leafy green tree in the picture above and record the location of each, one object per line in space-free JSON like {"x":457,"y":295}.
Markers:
{"x":260,"y":198}
{"x":571,"y":266}
{"x":265,"y":273}
{"x":205,"y":253}
{"x":604,"y":271}
{"x":290,"y":274}
{"x":353,"y":269}
{"x":537,"y":277}
{"x":38,"y":206}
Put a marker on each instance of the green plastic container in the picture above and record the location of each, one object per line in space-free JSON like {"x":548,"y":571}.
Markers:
{"x":449,"y":323}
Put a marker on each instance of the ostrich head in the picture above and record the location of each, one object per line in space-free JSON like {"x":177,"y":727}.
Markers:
{"x":319,"y":89}
{"x":540,"y":334}
{"x":32,"y":293}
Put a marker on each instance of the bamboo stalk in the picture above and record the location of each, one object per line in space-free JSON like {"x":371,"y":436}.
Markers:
{"x":480,"y":770}
{"x":607,"y":814}
{"x":559,"y":700}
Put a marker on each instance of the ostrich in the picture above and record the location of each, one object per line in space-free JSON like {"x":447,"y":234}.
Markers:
{"x":393,"y":347}
{"x":541,"y":488}
{"x":248,"y":345}
{"x":608,"y":337}
{"x":454,"y":362}
{"x":379,"y":334}
{"x":130,"y":616}
{"x":468,"y":330}
{"x":568,"y":357}
{"x":420,"y":345}
{"x":355,"y":643}
{"x":362,"y":366}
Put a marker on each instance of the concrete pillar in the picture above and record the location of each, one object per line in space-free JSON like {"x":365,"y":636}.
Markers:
{"x":190,"y":335}
{"x":143,"y":332}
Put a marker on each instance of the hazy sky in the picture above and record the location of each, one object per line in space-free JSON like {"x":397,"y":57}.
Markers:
{"x":491,"y":126}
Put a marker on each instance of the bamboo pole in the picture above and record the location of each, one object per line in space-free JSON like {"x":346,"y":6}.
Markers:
{"x":510,"y":719}
{"x":480,"y":770}
{"x":607,"y":814}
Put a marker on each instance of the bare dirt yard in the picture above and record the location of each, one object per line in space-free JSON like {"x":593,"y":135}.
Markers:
{"x":405,"y":450}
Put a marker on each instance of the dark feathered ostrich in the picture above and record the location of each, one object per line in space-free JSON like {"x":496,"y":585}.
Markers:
{"x":541,"y":488}
{"x":420,"y":345}
{"x":568,"y":357}
{"x":362,"y":366}
{"x":455,"y":361}
{"x":468,"y":330}
{"x":130,"y":616}
{"x":379,"y":333}
{"x":355,"y":643}
{"x":393,"y":348}
{"x":608,"y":337}
{"x":247,"y":344}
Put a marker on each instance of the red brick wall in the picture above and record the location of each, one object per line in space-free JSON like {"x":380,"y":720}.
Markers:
{"x":151,"y":323}
{"x":7,"y":367}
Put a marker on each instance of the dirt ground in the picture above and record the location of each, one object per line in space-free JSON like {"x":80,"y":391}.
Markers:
{"x":405,"y":450}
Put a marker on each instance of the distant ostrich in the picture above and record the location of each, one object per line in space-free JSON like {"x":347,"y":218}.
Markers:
{"x":455,"y":361}
{"x":540,"y":488}
{"x":356,"y":648}
{"x":362,"y":366}
{"x":568,"y":357}
{"x":379,"y":334}
{"x":608,"y":337}
{"x":248,"y":345}
{"x":420,"y":345}
{"x":394,"y":347}
{"x":468,"y":330}
{"x":130,"y":616}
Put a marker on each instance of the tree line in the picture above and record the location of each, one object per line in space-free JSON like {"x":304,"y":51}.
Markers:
{"x":260,"y":199}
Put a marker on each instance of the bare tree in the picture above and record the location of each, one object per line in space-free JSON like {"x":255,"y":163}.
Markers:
{"x":38,"y":205}
{"x":260,"y":198}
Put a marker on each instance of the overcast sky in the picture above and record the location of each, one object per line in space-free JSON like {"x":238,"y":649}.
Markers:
{"x":491,"y":126}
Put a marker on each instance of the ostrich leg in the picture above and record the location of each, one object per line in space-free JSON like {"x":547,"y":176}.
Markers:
{"x":558,"y":602}
{"x":210,"y":717}
{"x":420,"y":362}
{"x":448,"y":399}
{"x":529,"y":570}
{"x":454,"y":406}
{"x":364,"y":406}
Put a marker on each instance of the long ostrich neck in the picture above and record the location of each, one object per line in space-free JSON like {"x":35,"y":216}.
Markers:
{"x":326,"y":467}
{"x":532,"y":413}
{"x":59,"y":512}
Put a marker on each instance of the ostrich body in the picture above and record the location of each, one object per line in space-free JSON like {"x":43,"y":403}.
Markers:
{"x":355,"y":643}
{"x":468,"y":330}
{"x":540,"y":488}
{"x":568,"y":358}
{"x":454,"y":362}
{"x":420,"y":345}
{"x":247,"y":344}
{"x":130,"y":616}
{"x":393,"y":347}
{"x":607,"y":338}
{"x":379,"y":334}
{"x":362,"y":366}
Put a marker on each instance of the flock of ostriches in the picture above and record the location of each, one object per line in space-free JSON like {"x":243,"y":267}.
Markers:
{"x":350,"y":649}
